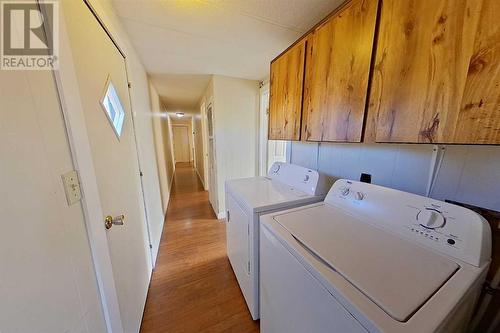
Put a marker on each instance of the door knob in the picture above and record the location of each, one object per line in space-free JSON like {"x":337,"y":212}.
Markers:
{"x":109,"y":221}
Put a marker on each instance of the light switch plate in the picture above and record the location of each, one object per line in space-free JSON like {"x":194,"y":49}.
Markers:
{"x":72,"y":187}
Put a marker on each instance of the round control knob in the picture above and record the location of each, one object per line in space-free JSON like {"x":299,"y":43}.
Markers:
{"x":276,"y":168}
{"x":431,"y":219}
{"x":306,"y":178}
{"x":360,"y":196}
{"x":345,"y":191}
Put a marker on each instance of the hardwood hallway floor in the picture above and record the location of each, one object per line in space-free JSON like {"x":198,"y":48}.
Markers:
{"x":193,"y":288}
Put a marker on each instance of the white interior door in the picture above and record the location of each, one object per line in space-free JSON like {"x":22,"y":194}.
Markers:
{"x":181,"y":143}
{"x":47,"y":278}
{"x":99,"y":66}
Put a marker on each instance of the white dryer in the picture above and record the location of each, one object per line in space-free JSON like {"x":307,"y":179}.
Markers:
{"x":285,"y":186}
{"x":371,"y":259}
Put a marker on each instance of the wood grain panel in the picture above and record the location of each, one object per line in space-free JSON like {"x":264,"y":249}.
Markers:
{"x":285,"y":106}
{"x":479,"y":116}
{"x":422,"y":60}
{"x":337,"y":71}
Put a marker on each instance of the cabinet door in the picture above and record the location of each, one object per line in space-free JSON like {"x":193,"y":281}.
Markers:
{"x":478,"y":120}
{"x":425,"y":60}
{"x":337,"y":69}
{"x":285,"y":108}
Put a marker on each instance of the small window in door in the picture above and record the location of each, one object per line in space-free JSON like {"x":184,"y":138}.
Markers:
{"x":113,"y":108}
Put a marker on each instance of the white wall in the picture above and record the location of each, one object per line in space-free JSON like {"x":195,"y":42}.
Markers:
{"x":169,"y":147}
{"x":236,"y":112}
{"x":469,"y":174}
{"x":162,"y":144}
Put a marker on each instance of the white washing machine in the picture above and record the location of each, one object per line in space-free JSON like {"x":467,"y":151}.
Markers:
{"x":371,"y":259}
{"x":285,"y":186}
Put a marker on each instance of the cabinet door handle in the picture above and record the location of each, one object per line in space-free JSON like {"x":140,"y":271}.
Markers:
{"x":227,"y":216}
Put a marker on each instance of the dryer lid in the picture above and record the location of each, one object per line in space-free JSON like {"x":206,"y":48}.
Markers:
{"x":397,"y":275}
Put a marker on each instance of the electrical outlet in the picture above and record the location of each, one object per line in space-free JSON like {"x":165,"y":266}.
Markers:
{"x":72,"y":187}
{"x":365,"y":178}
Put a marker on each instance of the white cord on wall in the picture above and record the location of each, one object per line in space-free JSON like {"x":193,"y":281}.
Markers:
{"x":438,"y":153}
{"x":289,"y":151}
{"x":317,"y":156}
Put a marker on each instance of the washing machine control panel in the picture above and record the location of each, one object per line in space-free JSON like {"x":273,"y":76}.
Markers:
{"x":300,"y":178}
{"x":450,"y":229}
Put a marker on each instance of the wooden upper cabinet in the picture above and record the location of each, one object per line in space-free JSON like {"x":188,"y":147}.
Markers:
{"x":338,"y":62}
{"x":285,"y":106}
{"x":437,"y":73}
{"x":478,"y":118}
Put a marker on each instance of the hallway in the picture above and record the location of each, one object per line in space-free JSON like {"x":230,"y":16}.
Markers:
{"x":193,"y":288}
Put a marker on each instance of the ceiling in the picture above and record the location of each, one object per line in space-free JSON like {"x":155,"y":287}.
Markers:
{"x":197,"y":38}
{"x":186,"y":120}
{"x":180,"y":92}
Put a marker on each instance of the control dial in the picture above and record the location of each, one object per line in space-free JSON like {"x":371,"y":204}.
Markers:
{"x":276,"y":168}
{"x":431,"y":218}
{"x":345,"y":191}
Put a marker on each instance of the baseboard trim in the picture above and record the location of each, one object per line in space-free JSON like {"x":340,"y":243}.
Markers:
{"x":200,"y":178}
{"x":170,"y":186}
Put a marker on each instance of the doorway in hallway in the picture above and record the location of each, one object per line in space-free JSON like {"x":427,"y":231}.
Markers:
{"x":181,"y":143}
{"x":193,"y":288}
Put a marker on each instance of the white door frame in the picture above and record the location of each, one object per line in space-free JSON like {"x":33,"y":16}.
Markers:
{"x":213,"y":160}
{"x":139,"y":165}
{"x":204,"y":137}
{"x":193,"y":141}
{"x":171,"y":142}
{"x":263,"y":129}
{"x":68,"y":90}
